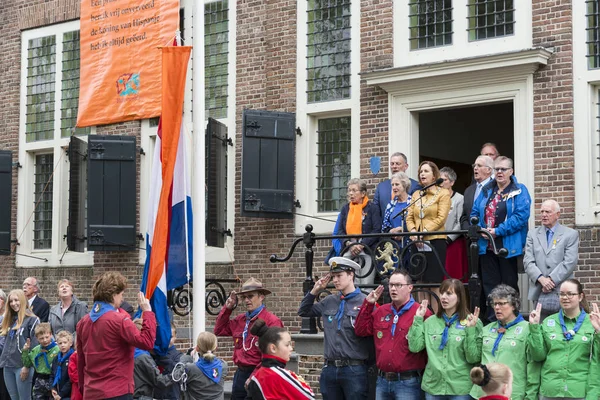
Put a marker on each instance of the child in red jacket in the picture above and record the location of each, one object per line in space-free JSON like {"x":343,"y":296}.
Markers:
{"x":74,"y":376}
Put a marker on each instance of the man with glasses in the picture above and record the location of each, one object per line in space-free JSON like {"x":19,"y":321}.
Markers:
{"x":551,"y":255}
{"x":38,"y":306}
{"x":246,"y":354}
{"x":482,"y":171}
{"x":400,"y":371}
{"x":383,"y":191}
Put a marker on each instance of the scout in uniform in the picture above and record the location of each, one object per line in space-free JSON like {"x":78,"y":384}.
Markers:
{"x":344,"y":375}
{"x":451,"y":341}
{"x":564,"y":343}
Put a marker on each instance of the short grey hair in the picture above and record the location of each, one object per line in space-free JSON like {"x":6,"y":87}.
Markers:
{"x":450,"y":173}
{"x":362,"y":185}
{"x":398,"y":154}
{"x":509,"y":293}
{"x":554,"y":203}
{"x":403,"y":179}
{"x":504,"y":158}
{"x":3,"y":295}
{"x":487,"y":161}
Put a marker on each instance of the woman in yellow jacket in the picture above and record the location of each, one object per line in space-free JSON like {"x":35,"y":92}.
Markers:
{"x":428,"y":213}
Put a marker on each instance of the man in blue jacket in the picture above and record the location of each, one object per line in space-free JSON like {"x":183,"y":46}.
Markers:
{"x":383,"y":192}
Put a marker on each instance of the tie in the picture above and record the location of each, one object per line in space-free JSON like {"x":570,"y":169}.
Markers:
{"x":549,"y":235}
{"x":477,"y":191}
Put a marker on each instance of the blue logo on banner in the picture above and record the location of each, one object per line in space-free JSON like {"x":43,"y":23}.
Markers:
{"x":375,"y":165}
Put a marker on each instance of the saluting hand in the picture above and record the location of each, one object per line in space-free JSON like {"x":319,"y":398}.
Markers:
{"x":231,"y":300}
{"x":375,"y":294}
{"x":595,"y":317}
{"x":422,"y":309}
{"x":321,"y":284}
{"x":473,"y":318}
{"x":534,"y":316}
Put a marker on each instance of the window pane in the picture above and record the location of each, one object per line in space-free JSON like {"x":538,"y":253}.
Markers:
{"x":328,"y":50}
{"x":593,"y":34}
{"x":41,"y":75}
{"x":333,"y":162}
{"x":216,"y":53}
{"x":430,"y":23}
{"x":490,"y":19}
{"x":70,"y":86}
{"x":42,"y":215}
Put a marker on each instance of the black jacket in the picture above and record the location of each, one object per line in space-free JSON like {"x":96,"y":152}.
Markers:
{"x":63,"y":387}
{"x":40,"y":308}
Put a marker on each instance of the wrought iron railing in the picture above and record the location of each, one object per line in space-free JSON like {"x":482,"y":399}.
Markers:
{"x":388,"y":256}
{"x":180,"y":299}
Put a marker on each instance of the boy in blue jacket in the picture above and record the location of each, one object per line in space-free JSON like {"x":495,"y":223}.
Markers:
{"x":59,"y":377}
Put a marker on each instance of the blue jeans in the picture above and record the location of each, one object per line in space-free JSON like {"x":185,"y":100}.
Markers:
{"x":409,"y":389}
{"x":449,"y":397}
{"x":18,"y":389}
{"x":344,"y":383}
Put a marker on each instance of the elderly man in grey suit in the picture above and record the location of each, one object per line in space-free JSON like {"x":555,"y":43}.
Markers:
{"x":551,"y":254}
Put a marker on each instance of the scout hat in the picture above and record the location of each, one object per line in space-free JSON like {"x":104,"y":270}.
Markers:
{"x":339,"y":264}
{"x":253,"y":285}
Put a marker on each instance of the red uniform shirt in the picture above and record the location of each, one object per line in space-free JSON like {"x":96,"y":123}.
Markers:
{"x":391,"y":352}
{"x":245,"y":354}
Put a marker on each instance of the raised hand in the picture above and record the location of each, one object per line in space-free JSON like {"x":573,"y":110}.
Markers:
{"x":534,"y":316}
{"x":375,"y":294}
{"x":422,"y":309}
{"x":595,"y":317}
{"x":231,"y":300}
{"x":321,"y":284}
{"x":27,"y":345}
{"x":143,"y":302}
{"x":473,"y":318}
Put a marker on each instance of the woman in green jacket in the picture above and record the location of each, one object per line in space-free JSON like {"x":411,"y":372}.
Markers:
{"x":505,"y":341}
{"x":564,"y":343}
{"x":451,"y":340}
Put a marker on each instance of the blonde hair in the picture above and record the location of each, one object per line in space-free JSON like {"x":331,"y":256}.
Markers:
{"x":206,"y":344}
{"x":64,"y":334}
{"x":42,"y":329}
{"x":10,"y":315}
{"x":491,"y":377}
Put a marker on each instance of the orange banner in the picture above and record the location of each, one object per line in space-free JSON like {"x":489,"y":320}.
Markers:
{"x":121,"y":60}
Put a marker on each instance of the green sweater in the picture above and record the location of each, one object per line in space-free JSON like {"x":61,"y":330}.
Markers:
{"x":40,"y":366}
{"x":569,"y":368}
{"x":447,"y":370}
{"x":514,"y":351}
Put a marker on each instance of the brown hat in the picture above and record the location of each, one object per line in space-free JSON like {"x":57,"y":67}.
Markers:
{"x":253,"y":285}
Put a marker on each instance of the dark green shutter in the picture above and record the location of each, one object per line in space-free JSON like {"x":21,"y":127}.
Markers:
{"x":268,"y":164}
{"x":5,"y":200}
{"x":77,"y":194}
{"x":111,"y":193}
{"x":216,"y":183}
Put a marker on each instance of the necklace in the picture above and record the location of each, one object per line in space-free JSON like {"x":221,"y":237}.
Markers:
{"x":430,"y":202}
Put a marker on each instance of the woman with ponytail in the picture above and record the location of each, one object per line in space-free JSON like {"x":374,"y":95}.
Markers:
{"x":495,"y":380}
{"x":205,"y":377}
{"x":567,"y":343}
{"x":271,"y":380}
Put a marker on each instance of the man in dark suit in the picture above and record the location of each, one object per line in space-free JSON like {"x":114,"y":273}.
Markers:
{"x":482,"y":171}
{"x":383,"y":192}
{"x":38,"y":306}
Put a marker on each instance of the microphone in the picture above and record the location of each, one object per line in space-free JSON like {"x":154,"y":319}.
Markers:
{"x":438,"y":182}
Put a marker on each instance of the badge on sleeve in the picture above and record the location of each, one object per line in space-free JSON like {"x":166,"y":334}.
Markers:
{"x":379,"y":335}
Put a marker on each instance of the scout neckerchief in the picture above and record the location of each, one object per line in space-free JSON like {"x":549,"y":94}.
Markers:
{"x":449,"y":322}
{"x":503,"y":328}
{"x":44,"y":353}
{"x":250,"y":315}
{"x":99,"y":309}
{"x":340,"y":312}
{"x":61,"y":359}
{"x":569,"y":335}
{"x":398,"y":314}
{"x":212,"y":369}
{"x":12,"y":331}
{"x":139,"y":352}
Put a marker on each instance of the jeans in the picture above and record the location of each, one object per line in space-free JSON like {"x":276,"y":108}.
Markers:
{"x":409,"y":389}
{"x":18,"y":389}
{"x":448,"y":397}
{"x":238,"y":389}
{"x":339,"y":383}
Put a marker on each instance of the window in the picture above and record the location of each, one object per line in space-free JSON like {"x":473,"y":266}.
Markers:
{"x":216,"y":53}
{"x":49,"y":105}
{"x":593,"y":33}
{"x":430,"y":23}
{"x":490,"y":19}
{"x":328,"y":50}
{"x":333,"y":165}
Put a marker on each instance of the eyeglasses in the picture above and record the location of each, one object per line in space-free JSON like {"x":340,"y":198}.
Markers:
{"x":479,"y":166}
{"x":501,"y":169}
{"x":567,"y":295}
{"x":498,"y":303}
{"x":353,"y":190}
{"x":397,"y":285}
{"x":246,"y":296}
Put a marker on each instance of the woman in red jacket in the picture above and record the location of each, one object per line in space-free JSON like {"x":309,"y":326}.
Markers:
{"x":106,"y":339}
{"x":495,"y":379}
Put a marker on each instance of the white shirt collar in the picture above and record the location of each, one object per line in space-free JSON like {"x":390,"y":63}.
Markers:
{"x":30,"y":301}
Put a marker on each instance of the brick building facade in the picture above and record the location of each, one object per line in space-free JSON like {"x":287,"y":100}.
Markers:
{"x":541,"y":64}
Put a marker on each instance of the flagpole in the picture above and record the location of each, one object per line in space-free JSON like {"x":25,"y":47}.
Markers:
{"x":198,"y":176}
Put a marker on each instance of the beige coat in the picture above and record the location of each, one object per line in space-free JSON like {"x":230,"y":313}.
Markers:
{"x":434,"y":215}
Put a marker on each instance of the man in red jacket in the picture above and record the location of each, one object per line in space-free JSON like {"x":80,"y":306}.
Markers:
{"x":106,"y":338}
{"x":246,"y":354}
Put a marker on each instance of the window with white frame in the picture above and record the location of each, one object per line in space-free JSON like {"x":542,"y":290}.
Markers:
{"x":592,"y":16}
{"x":430,"y":23}
{"x":49,"y":104}
{"x":491,"y":18}
{"x":216,"y":54}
